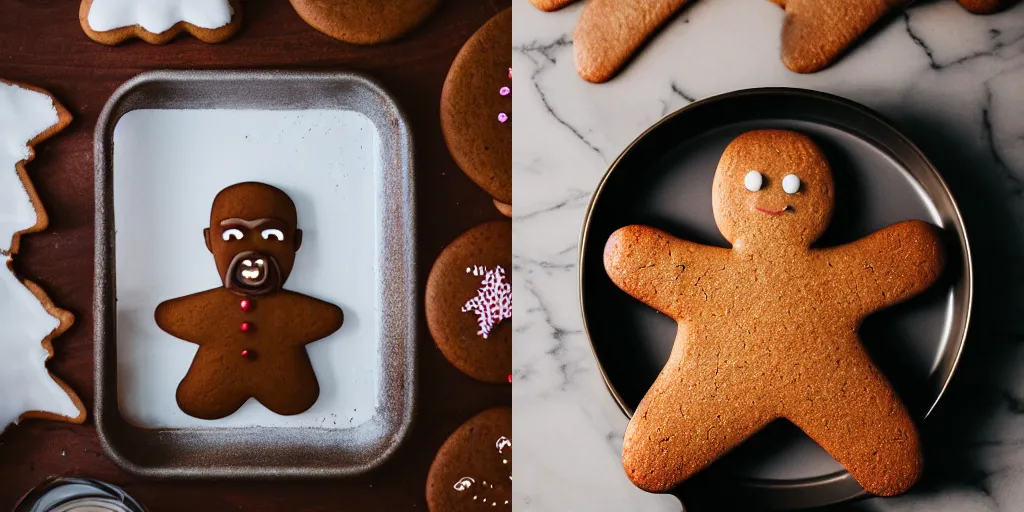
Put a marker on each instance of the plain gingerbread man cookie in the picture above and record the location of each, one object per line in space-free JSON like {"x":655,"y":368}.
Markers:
{"x":252,"y":333}
{"x":768,"y":328}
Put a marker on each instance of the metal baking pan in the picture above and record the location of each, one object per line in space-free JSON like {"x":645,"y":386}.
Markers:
{"x":391,"y":318}
{"x":664,"y":179}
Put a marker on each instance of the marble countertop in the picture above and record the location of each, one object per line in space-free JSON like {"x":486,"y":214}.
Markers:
{"x":953,"y":82}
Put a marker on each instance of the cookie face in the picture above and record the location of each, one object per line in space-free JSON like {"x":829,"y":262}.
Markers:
{"x":768,"y":327}
{"x":365,"y":21}
{"x":473,"y":469}
{"x":28,"y":116}
{"x":469,"y":302}
{"x":251,"y":332}
{"x":815,"y":32}
{"x":112,"y":22}
{"x":770,"y":158}
{"x":476,"y":108}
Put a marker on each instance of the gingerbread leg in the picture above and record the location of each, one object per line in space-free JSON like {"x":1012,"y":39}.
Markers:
{"x":209,"y":396}
{"x":679,"y":430}
{"x":292,"y":389}
{"x":610,"y":31}
{"x":858,"y":419}
{"x":815,"y":33}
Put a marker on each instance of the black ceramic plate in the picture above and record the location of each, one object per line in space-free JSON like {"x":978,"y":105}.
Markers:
{"x":664,"y":180}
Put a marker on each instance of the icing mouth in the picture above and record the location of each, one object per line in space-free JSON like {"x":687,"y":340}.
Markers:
{"x":252,"y":273}
{"x":773,"y":213}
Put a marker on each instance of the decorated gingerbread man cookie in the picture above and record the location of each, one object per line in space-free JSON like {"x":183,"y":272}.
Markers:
{"x":28,"y":319}
{"x":252,"y":333}
{"x":112,"y":22}
{"x":768,"y":328}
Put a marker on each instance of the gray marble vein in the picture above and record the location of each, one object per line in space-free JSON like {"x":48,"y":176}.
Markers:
{"x":952,"y":81}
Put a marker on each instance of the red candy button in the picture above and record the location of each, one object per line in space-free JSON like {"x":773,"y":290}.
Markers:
{"x":246,"y":326}
{"x":246,"y":305}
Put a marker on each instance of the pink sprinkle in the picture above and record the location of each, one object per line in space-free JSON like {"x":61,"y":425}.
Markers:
{"x":504,"y":92}
{"x":493,"y":301}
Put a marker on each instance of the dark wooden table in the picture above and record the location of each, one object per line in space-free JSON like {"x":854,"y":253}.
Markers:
{"x":41,"y":43}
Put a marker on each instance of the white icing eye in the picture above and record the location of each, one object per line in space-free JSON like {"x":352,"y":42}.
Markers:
{"x":232,"y":233}
{"x":791,"y":184}
{"x":247,"y":263}
{"x":259,"y":263}
{"x":753,"y":181}
{"x":276,"y":233}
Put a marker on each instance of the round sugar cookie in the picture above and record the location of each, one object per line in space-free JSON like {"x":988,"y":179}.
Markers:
{"x":473,"y":468}
{"x":476,"y":108}
{"x":365,"y":21}
{"x":469,"y":302}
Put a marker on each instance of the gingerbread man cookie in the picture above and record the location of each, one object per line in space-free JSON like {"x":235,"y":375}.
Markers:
{"x":768,"y":328}
{"x":112,"y":22}
{"x":252,"y":333}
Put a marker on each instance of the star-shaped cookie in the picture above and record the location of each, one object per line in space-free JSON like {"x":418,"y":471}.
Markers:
{"x":28,"y":318}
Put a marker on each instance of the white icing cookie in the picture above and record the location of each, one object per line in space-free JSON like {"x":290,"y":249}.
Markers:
{"x":159,"y":21}
{"x":158,"y":16}
{"x":25,"y":116}
{"x":28,"y":388}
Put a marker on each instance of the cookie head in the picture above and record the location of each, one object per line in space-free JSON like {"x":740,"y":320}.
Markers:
{"x":772,"y":186}
{"x":253,"y":236}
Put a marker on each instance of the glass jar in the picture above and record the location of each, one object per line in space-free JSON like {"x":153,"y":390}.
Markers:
{"x":77,"y":495}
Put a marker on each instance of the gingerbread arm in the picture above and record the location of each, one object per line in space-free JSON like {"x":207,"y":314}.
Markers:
{"x":889,"y":266}
{"x":316,"y":320}
{"x":660,"y":270}
{"x":184,"y":318}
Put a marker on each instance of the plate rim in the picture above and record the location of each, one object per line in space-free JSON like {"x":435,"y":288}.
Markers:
{"x":967,"y":272}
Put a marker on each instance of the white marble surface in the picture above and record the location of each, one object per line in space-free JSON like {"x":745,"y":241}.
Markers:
{"x":952,"y":81}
